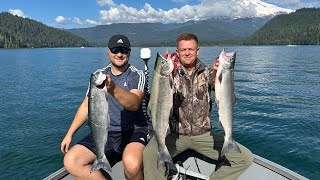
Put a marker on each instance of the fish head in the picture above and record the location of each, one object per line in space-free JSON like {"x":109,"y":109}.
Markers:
{"x":98,"y":79}
{"x":164,"y":66}
{"x":227,"y":60}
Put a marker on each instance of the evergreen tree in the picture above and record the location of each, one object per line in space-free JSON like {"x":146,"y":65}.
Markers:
{"x":18,"y":32}
{"x":301,"y":28}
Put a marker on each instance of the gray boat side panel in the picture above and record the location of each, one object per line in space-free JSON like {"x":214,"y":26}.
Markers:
{"x":63,"y":174}
{"x":258,"y":172}
{"x":68,"y":177}
{"x":60,"y":174}
{"x":277,"y":168}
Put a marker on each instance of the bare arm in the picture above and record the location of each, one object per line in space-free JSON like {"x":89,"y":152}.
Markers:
{"x":77,"y":122}
{"x":130,"y":100}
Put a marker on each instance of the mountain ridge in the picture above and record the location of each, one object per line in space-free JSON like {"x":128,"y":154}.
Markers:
{"x":299,"y":27}
{"x":158,"y":34}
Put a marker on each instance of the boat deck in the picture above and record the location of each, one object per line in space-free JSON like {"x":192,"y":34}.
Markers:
{"x":261,"y":169}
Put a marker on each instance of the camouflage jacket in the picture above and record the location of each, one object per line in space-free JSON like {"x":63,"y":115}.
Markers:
{"x":191,"y":100}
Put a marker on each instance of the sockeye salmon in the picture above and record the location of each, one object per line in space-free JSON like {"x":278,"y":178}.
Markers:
{"x":160,"y":107}
{"x":99,"y":119}
{"x":225,"y":98}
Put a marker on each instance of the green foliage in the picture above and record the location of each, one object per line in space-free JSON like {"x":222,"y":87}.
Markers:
{"x":18,"y":32}
{"x":300,"y":28}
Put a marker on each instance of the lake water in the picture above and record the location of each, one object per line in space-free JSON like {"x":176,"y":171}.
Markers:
{"x":277,"y":109}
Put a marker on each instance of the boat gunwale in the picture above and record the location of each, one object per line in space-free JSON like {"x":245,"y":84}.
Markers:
{"x":59,"y":174}
{"x":283,"y":171}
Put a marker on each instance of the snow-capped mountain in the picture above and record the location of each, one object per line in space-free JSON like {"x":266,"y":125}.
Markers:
{"x":262,"y":8}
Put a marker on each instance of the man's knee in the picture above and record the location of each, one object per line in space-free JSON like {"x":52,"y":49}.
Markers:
{"x":70,"y":160}
{"x":132,"y":163}
{"x":77,"y":157}
{"x":132,"y":160}
{"x":132,"y":166}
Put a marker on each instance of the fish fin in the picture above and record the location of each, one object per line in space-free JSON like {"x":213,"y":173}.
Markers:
{"x":101,"y":164}
{"x":164,"y":157}
{"x":228,"y":145}
{"x":171,"y":169}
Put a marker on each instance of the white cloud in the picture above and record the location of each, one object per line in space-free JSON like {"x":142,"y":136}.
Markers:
{"x":92,"y":22}
{"x":17,"y":12}
{"x":60,"y":19}
{"x":204,"y":10}
{"x":76,"y":20}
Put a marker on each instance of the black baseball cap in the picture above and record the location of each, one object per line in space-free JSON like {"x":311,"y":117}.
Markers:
{"x":119,"y":41}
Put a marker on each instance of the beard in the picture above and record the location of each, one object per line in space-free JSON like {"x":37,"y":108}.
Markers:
{"x":122,"y":65}
{"x":190,"y":65}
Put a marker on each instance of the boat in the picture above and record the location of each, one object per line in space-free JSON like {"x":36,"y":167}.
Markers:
{"x":193,"y":163}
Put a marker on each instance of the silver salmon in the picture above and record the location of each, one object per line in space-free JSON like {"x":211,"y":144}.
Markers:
{"x":99,"y":119}
{"x":225,"y":98}
{"x":160,"y":105}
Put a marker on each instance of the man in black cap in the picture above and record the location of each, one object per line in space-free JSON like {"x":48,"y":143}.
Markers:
{"x":128,"y":130}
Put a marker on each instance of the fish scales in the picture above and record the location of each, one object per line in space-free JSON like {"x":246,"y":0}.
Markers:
{"x":160,"y":105}
{"x":225,"y":99}
{"x":99,"y":119}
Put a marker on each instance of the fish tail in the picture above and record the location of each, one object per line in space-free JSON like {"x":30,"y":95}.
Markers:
{"x":101,"y":164}
{"x":228,"y":145}
{"x":164,"y":157}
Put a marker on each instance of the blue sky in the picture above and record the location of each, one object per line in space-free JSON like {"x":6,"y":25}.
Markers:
{"x":88,"y":13}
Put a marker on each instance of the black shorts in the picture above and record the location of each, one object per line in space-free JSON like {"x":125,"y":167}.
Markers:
{"x":117,"y":141}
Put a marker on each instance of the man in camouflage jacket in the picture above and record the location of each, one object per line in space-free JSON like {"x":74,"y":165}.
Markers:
{"x":191,"y":100}
{"x":190,"y":122}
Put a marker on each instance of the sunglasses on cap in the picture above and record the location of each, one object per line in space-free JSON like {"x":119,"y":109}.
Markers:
{"x":122,"y":50}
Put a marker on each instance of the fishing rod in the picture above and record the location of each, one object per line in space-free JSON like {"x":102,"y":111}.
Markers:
{"x":145,"y":55}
